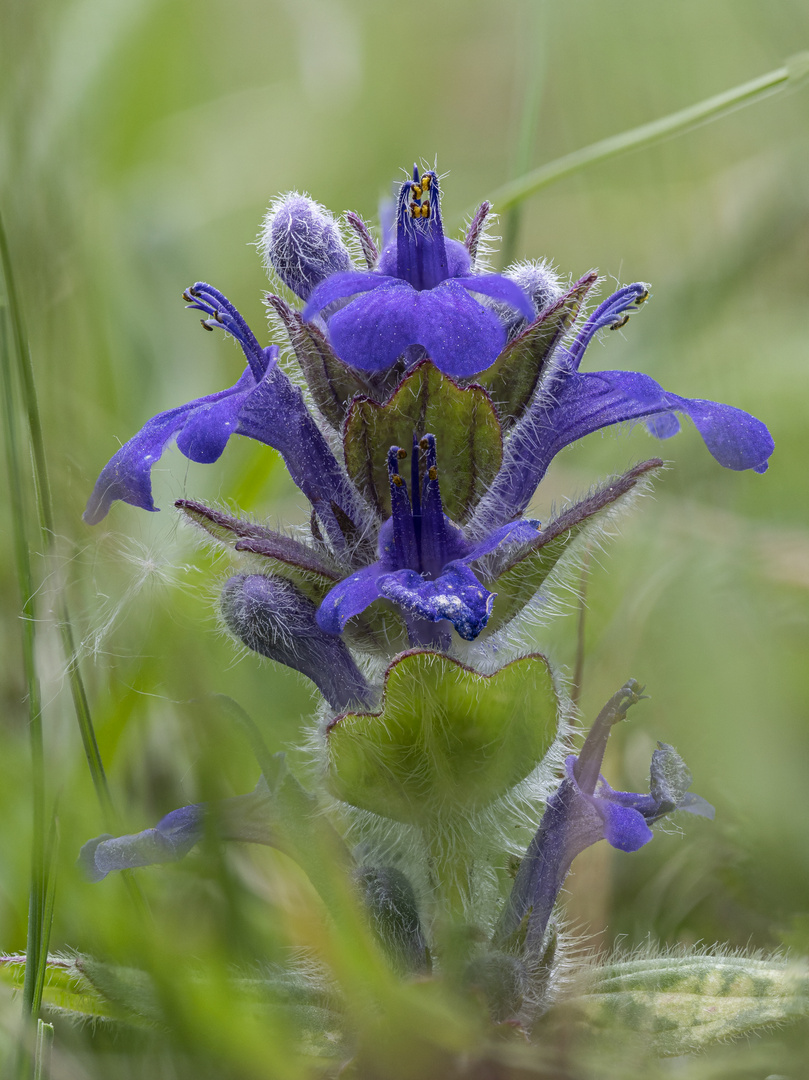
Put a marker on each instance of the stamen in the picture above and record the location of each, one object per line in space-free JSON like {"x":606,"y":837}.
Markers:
{"x":619,"y":323}
{"x":404,"y":551}
{"x":401,"y":454}
{"x":205,"y":325}
{"x":426,"y":180}
{"x":417,"y":190}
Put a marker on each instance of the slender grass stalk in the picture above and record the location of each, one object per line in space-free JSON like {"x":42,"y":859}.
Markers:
{"x":536,"y":15}
{"x":49,"y":896}
{"x":36,"y":943}
{"x":42,"y":1056}
{"x":514,"y":192}
{"x":46,"y":521}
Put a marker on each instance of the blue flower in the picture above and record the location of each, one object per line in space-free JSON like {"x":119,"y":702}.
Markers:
{"x":424,"y":558}
{"x":418,"y":296}
{"x":585,"y":809}
{"x":569,"y":404}
{"x":262,"y":405}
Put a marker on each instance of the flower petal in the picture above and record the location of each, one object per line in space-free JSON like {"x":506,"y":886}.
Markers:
{"x":456,"y":595}
{"x":127,"y":475}
{"x":349,"y":598}
{"x":372,"y":331}
{"x":502,"y":289}
{"x":341,"y":286}
{"x":460,"y":335}
{"x":624,"y":828}
{"x":576,"y":404}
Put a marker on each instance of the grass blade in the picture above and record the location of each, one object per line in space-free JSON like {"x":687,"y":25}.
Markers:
{"x":713,"y":108}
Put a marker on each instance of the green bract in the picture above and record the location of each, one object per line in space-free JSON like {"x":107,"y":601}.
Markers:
{"x":447,"y":739}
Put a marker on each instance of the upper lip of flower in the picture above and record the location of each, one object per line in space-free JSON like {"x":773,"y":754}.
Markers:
{"x":419,"y":296}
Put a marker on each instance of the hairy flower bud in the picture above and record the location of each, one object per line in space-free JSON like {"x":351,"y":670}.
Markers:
{"x":272,"y":617}
{"x":300,"y":241}
{"x":539,"y":281}
{"x":391,"y":904}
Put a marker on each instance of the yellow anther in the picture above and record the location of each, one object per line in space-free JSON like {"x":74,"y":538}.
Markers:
{"x":397,"y":480}
{"x":424,"y":443}
{"x":425,"y":210}
{"x":426,"y":181}
{"x":415,"y":209}
{"x":621,"y":322}
{"x":432,"y":472}
{"x":417,"y":190}
{"x":644,"y":296}
{"x":400,"y":453}
{"x":205,"y":326}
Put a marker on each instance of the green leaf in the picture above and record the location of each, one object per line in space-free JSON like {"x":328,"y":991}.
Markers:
{"x":513,"y":377}
{"x":467,"y":431}
{"x":687,"y":1003}
{"x":333,"y":384}
{"x":65,"y":989}
{"x":447,"y":739}
{"x":523,"y":569}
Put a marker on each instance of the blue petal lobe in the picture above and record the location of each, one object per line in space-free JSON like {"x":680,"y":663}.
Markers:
{"x":500,"y":288}
{"x":624,"y":828}
{"x":456,"y":595}
{"x":460,"y":335}
{"x":374,"y":330}
{"x":340,"y":286}
{"x":349,"y":598}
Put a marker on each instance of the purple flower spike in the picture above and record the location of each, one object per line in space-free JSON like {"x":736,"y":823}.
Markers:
{"x":571,"y":404}
{"x":424,"y":558}
{"x":263,"y":405}
{"x":585,"y":809}
{"x":419,"y":295}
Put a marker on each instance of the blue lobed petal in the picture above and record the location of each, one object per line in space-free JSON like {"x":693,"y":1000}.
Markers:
{"x":460,"y":335}
{"x":502,"y":289}
{"x":342,"y":286}
{"x":576,"y":404}
{"x":374,"y":330}
{"x":127,"y":475}
{"x":456,"y":595}
{"x":349,"y":598}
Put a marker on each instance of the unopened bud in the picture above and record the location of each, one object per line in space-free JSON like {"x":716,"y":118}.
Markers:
{"x":273,"y":617}
{"x":301,"y":243}
{"x":538,"y":280}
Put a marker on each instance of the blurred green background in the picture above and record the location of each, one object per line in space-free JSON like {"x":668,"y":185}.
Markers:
{"x":141,"y":144}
